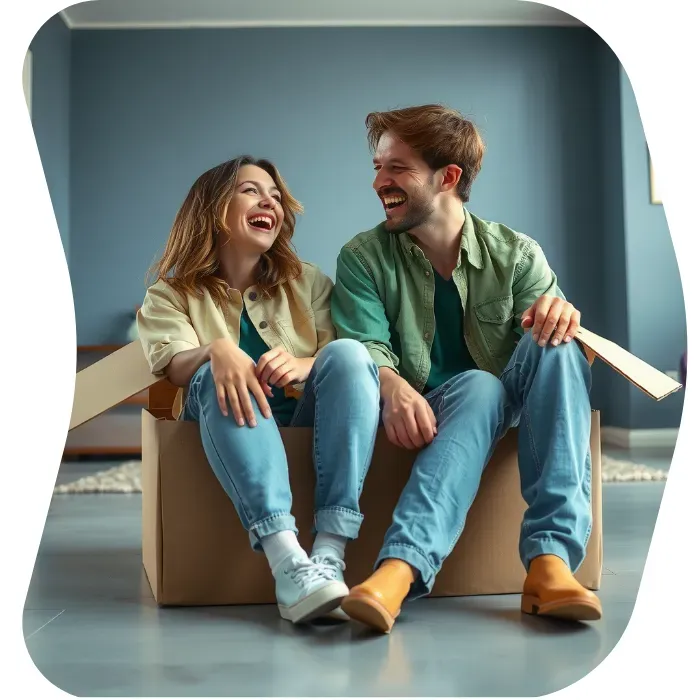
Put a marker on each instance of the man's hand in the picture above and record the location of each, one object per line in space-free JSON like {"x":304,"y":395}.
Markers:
{"x":407,"y":417}
{"x":551,"y":317}
{"x":278,"y":368}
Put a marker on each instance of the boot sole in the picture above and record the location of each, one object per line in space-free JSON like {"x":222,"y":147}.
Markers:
{"x":576,"y":609}
{"x":369,"y":612}
{"x":318,"y":604}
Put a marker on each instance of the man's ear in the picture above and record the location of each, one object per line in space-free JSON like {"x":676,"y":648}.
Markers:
{"x":450,"y":177}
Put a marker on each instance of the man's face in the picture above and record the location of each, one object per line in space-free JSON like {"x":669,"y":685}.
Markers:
{"x":404,"y":183}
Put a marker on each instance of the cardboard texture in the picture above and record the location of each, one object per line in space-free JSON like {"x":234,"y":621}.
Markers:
{"x":196,"y":552}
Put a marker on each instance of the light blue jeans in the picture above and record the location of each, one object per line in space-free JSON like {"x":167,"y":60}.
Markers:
{"x":546,"y":392}
{"x":340,"y":402}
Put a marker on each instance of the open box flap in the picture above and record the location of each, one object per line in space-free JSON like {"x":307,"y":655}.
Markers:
{"x":108,"y":382}
{"x":650,"y":380}
{"x":126,"y":372}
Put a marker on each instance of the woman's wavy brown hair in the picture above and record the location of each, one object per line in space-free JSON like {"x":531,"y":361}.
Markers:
{"x":190,"y":262}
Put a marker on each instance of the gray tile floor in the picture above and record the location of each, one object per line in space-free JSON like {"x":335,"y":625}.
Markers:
{"x":92,"y":628}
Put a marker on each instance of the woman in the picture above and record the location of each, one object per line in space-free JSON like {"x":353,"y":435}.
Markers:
{"x":244,"y":326}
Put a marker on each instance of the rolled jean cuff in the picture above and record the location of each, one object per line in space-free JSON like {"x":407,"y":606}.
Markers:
{"x":414,"y":557}
{"x":339,"y":521}
{"x":537,"y":546}
{"x":269,"y":526}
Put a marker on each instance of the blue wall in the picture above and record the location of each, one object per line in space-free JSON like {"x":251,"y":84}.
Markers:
{"x":51,"y":68}
{"x":609,"y":215}
{"x":153,"y":109}
{"x":566,"y":160}
{"x":656,"y":311}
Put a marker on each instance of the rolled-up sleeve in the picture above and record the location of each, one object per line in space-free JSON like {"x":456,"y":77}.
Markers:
{"x":164,"y":327}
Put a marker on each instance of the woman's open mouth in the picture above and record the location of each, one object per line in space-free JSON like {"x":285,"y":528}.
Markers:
{"x":261,"y":222}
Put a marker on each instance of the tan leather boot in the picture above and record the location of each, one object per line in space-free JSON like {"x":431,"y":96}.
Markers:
{"x":550,"y":589}
{"x":377,"y":602}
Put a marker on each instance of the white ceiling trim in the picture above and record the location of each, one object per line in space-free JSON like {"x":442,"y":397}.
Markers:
{"x":223,"y":24}
{"x":213,"y":14}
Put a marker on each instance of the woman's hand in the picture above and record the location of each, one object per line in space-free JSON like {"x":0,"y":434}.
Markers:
{"x":235,"y":379}
{"x":278,"y":368}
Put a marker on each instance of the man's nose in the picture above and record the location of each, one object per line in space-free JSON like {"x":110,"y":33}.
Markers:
{"x":382,"y":180}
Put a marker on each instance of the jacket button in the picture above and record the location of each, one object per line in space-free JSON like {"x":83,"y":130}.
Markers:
{"x":253,"y":296}
{"x":427,"y":273}
{"x":263,"y":324}
{"x":426,"y":336}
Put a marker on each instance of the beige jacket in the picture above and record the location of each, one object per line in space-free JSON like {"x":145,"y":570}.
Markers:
{"x":297,"y":317}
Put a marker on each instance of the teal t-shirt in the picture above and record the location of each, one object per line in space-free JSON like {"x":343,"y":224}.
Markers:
{"x":254,"y":346}
{"x":449,"y":355}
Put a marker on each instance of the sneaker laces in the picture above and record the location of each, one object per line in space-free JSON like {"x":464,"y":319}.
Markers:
{"x":329,"y":563}
{"x":307,"y":572}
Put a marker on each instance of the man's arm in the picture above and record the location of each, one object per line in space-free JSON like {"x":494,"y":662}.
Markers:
{"x":539,"y":305}
{"x":358,"y":311}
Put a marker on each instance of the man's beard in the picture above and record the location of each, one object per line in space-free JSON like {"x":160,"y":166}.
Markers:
{"x":417,"y":213}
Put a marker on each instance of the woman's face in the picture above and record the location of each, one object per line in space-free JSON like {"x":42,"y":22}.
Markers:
{"x":254,"y":216}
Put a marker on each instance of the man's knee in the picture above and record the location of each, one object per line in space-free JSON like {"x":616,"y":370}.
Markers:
{"x":348,"y":356}
{"x":477,"y":389}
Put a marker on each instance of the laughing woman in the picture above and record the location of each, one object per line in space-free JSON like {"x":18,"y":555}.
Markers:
{"x":237,"y":320}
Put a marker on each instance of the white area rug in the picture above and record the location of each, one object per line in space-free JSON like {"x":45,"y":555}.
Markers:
{"x":126,"y":478}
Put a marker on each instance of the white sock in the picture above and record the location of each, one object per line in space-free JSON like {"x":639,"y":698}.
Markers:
{"x":326,"y":543}
{"x":281,"y":545}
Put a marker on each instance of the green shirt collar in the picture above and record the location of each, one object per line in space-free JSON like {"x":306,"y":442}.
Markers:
{"x":469,"y":244}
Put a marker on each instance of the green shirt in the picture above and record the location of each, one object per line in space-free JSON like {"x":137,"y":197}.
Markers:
{"x":384,"y":292}
{"x":254,"y":346}
{"x":449,"y":354}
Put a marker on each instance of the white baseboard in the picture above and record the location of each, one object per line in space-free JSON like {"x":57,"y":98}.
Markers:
{"x":622,"y":437}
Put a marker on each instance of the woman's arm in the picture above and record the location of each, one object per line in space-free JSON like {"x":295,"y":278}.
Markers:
{"x":166,"y":332}
{"x":185,"y":363}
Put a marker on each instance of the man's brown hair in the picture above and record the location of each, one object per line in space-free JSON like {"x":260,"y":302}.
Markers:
{"x":440,"y":135}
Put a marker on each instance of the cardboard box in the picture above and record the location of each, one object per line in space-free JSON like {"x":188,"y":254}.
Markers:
{"x":196,"y":552}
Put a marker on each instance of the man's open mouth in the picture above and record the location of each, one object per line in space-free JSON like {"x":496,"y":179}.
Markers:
{"x":262,"y":222}
{"x":393,"y":201}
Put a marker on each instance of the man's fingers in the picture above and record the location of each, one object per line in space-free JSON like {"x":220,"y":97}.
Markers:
{"x":541,"y":310}
{"x":562,"y":326}
{"x":426,"y":423}
{"x":528,"y":318}
{"x":402,"y":436}
{"x":391,"y":435}
{"x":550,"y":322}
{"x":574,"y":326}
{"x":413,"y":432}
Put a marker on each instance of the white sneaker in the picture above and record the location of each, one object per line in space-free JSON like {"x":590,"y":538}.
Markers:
{"x":335,"y":567}
{"x":306,"y":590}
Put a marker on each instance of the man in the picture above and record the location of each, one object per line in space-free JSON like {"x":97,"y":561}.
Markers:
{"x":472,"y":336}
